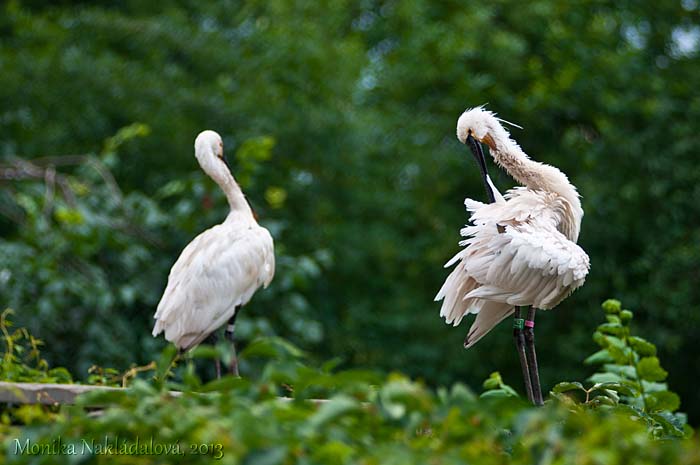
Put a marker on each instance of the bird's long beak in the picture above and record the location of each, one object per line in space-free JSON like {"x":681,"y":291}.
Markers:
{"x":223,"y":157}
{"x":478,"y":153}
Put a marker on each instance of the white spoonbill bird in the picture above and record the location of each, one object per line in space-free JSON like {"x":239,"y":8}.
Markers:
{"x":220,"y":270}
{"x":519,"y":251}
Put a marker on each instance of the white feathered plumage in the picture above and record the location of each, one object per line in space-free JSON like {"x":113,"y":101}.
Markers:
{"x":221,"y":268}
{"x":520,"y":250}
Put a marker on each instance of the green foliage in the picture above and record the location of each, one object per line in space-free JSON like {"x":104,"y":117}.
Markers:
{"x":355,"y":103}
{"x":495,"y":387}
{"x":629,"y":377}
{"x":363,"y":417}
{"x":21,"y":357}
{"x":292,"y":412}
{"x":22,"y":362}
{"x":89,"y":255}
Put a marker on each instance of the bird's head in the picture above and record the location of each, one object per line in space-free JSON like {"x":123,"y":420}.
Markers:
{"x":209,"y":147}
{"x":481,"y":124}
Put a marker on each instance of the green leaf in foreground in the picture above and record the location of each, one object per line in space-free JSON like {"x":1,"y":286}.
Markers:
{"x":568,"y":386}
{"x":649,"y":369}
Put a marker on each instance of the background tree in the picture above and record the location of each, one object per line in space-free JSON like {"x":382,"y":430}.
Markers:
{"x":341,"y":116}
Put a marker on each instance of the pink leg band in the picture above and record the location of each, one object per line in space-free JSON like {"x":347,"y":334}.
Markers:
{"x":529,"y":323}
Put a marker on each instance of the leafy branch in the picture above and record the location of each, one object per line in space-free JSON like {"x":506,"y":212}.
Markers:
{"x":629,"y":377}
{"x":21,"y":360}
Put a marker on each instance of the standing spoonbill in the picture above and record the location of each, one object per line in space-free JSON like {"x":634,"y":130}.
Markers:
{"x":220,"y":270}
{"x":520,"y":251}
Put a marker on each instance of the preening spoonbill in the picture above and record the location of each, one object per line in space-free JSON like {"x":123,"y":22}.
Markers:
{"x":220,"y":270}
{"x":520,"y":252}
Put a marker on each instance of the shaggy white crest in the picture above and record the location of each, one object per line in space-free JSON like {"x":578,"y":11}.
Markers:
{"x":221,"y":268}
{"x":481,"y":122}
{"x":520,"y":250}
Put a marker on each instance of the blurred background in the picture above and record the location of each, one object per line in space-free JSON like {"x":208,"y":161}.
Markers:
{"x":339,"y":118}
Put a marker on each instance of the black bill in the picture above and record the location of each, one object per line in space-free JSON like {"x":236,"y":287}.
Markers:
{"x":478,"y":153}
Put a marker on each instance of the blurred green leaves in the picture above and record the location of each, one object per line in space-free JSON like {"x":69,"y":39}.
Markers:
{"x":495,"y":387}
{"x":353,"y":418}
{"x":249,"y":157}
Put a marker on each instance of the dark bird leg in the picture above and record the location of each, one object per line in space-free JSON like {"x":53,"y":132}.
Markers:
{"x":519,"y":336}
{"x":230,"y":328}
{"x":212,"y":340}
{"x":532,"y":357}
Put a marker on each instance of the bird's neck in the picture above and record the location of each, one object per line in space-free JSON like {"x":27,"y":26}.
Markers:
{"x":538,"y":176}
{"x":236,"y":200}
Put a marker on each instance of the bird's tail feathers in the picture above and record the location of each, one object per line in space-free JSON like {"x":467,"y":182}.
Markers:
{"x":490,"y":314}
{"x":453,"y":306}
{"x":460,"y":296}
{"x":158,"y":328}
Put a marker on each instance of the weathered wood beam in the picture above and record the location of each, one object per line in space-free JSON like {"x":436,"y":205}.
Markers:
{"x":55,"y":394}
{"x":49,"y":394}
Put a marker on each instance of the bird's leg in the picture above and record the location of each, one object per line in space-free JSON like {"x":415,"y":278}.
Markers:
{"x":212,"y":340}
{"x":518,"y":325}
{"x":532,"y":356}
{"x":230,"y":328}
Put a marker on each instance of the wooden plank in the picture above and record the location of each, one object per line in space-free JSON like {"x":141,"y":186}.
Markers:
{"x":54,"y":394}
{"x":49,"y":394}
